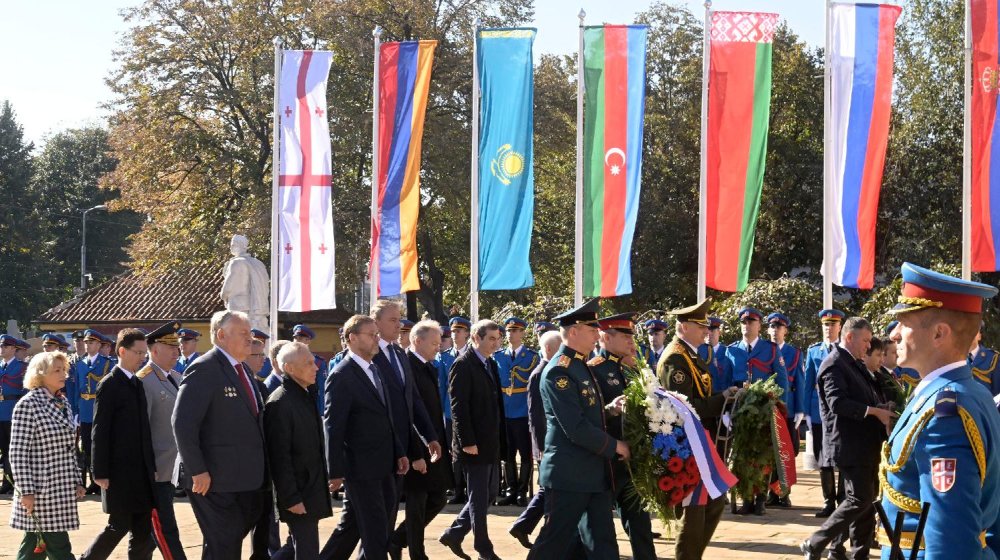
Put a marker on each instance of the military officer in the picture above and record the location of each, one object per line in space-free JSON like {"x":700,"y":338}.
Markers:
{"x":459,"y":327}
{"x":576,"y":464}
{"x":656,"y":332}
{"x":542,"y":327}
{"x":760,"y":359}
{"x":713,"y":352}
{"x":52,"y":342}
{"x":78,"y":347}
{"x":943,"y":448}
{"x":405,"y":326}
{"x":682,"y":370}
{"x":777,"y":328}
{"x":908,"y":377}
{"x":617,"y":343}
{"x":189,"y":348}
{"x":83,"y":390}
{"x":11,"y":390}
{"x":514,"y":364}
{"x":983,"y":362}
{"x":108,"y":348}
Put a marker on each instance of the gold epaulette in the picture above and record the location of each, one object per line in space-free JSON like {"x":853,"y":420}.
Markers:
{"x":596,"y":360}
{"x":142,"y":373}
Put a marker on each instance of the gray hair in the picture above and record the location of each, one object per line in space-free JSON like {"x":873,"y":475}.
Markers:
{"x":291,"y":351}
{"x":222,"y":318}
{"x":856,"y":324}
{"x":381,"y":305}
{"x":549,"y":344}
{"x":40,"y":365}
{"x":423,"y":328}
{"x":484,"y":326}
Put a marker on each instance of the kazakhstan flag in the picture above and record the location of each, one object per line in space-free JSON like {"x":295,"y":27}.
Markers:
{"x":506,"y":153}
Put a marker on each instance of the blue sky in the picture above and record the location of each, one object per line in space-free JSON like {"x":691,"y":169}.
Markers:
{"x":56,"y":80}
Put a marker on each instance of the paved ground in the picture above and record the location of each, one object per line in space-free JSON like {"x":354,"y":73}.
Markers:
{"x":774,"y":536}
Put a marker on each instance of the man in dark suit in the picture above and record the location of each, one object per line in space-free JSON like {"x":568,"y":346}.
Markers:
{"x":123,"y":463}
{"x":855,"y":417}
{"x":220,"y":439}
{"x":294,"y":435}
{"x":430,"y":475}
{"x":364,"y":452}
{"x":479,"y":433}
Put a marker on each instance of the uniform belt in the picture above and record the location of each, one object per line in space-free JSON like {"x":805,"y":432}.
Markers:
{"x":509,"y":391}
{"x":10,"y":397}
{"x":87,"y":396}
{"x":906,"y":539}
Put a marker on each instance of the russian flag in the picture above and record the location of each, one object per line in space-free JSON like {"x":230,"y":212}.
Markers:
{"x":985,"y":144}
{"x":716,"y":479}
{"x":862,"y":40}
{"x":404,"y":80}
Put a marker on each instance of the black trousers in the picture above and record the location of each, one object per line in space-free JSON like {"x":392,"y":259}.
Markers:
{"x":456,"y":467}
{"x":421,"y":509}
{"x":369,"y":513}
{"x":529,"y":518}
{"x":8,"y":476}
{"x":519,"y":439}
{"x":165,"y":532}
{"x":572,"y":517}
{"x":264,"y":537}
{"x":225,"y":519}
{"x":86,"y":429}
{"x":483,"y":483}
{"x":305,"y":537}
{"x":139,"y":527}
{"x":635,"y":520}
{"x":854,"y":517}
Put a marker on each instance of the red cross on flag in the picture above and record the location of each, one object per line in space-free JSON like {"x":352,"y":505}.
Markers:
{"x":305,"y":215}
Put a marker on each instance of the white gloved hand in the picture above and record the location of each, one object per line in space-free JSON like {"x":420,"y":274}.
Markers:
{"x":809,"y":422}
{"x":798,"y":419}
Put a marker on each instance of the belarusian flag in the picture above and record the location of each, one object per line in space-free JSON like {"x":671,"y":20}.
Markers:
{"x":739,"y":101}
{"x":614,"y":59}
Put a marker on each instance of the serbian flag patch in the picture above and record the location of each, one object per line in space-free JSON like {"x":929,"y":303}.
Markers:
{"x":943,"y":474}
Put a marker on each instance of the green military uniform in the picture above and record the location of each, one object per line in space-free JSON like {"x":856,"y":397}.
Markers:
{"x":576,"y":464}
{"x":683,"y":371}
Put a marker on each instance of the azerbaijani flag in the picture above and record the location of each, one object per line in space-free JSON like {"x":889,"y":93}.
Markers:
{"x":985,"y":141}
{"x":739,"y":104}
{"x":614,"y":81}
{"x":404,"y":79}
{"x":862,"y":38}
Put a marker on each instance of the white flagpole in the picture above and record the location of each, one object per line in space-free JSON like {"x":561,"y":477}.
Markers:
{"x":474,"y":238}
{"x":275,"y":171}
{"x":828,"y":205}
{"x":377,"y":35}
{"x":578,"y":257}
{"x":967,"y":151}
{"x":703,"y":182}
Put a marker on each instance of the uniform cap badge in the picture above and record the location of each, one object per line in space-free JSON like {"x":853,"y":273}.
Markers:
{"x":562,"y":383}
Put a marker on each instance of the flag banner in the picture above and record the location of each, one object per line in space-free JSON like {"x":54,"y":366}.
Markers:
{"x":862,"y":39}
{"x":305,"y":215}
{"x":739,"y":104}
{"x":614,"y":59}
{"x":404,"y":80}
{"x":985,"y":142}
{"x":506,"y":175}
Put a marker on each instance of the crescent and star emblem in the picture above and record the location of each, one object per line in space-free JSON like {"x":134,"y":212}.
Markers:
{"x":615,"y":168}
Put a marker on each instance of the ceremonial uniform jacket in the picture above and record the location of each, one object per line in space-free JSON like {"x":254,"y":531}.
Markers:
{"x":650,"y":356}
{"x":760,"y":363}
{"x":578,"y":448}
{"x":11,"y":387}
{"x":683,"y":371}
{"x":183,"y":363}
{"x":443,"y":361}
{"x":910,"y":378}
{"x":612,"y":379}
{"x":794,"y":364}
{"x":984,"y":365}
{"x":808,"y":389}
{"x":81,"y":387}
{"x":161,"y":392}
{"x":944,"y":451}
{"x":514,"y":371}
{"x":719,"y":366}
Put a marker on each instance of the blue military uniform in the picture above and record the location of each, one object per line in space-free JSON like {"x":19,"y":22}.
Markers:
{"x":646,"y":352}
{"x":909,"y":378}
{"x":984,"y":368}
{"x":11,"y":390}
{"x":302,"y":331}
{"x":943,"y":449}
{"x":81,"y":390}
{"x":265,"y":369}
{"x":719,"y":366}
{"x":792,"y":358}
{"x":514,"y":366}
{"x":183,"y":362}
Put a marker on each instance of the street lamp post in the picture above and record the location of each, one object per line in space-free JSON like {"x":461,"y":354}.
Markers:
{"x":83,"y":247}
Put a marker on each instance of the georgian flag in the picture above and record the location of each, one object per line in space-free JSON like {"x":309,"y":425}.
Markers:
{"x":305,"y":214}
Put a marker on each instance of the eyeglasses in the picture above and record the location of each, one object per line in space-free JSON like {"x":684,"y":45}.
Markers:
{"x":256,"y":355}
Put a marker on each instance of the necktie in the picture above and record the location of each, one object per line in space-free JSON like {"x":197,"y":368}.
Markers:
{"x":246,"y":387}
{"x":391,"y":350}
{"x":378,"y":382}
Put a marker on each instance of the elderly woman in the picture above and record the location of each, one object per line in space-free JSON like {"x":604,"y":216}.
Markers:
{"x":46,"y":476}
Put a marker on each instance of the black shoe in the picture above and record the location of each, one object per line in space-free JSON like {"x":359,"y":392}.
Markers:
{"x":785,"y":502}
{"x":826,"y":511}
{"x":772,"y":499}
{"x":454,"y":547}
{"x":806,"y":549}
{"x":507,"y":500}
{"x":395,"y":551}
{"x":338,"y":495}
{"x":838,"y":554}
{"x":459,"y":499}
{"x":522,"y":501}
{"x":758,"y":506}
{"x":745,"y":509}
{"x":521,"y":537}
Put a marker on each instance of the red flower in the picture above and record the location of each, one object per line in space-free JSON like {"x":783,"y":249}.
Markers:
{"x":666,"y":483}
{"x":677,"y":496}
{"x":691,"y":465}
{"x":675,"y":464}
{"x":40,"y":548}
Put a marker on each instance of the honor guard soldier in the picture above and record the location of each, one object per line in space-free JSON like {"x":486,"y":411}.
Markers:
{"x":943,"y":449}
{"x":78,"y":348}
{"x":405,"y":326}
{"x":11,"y":390}
{"x":777,"y":328}
{"x":656,"y":333}
{"x":907,"y":376}
{"x":515,"y":363}
{"x":108,"y":348}
{"x":260,"y":365}
{"x":339,"y":356}
{"x":760,"y":359}
{"x":576,"y":464}
{"x":189,"y":348}
{"x":617,"y":343}
{"x":713,"y":352}
{"x":83,"y":390}
{"x":305,"y":335}
{"x":542,"y":327}
{"x":52,"y":342}
{"x":683,"y":371}
{"x":983,"y":362}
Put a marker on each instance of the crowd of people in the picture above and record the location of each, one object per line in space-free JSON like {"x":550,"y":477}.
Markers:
{"x":259,"y":433}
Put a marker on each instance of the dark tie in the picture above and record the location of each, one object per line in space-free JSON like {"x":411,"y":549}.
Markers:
{"x":246,"y":387}
{"x":170,"y":378}
{"x":394,"y":361}
{"x":378,"y":382}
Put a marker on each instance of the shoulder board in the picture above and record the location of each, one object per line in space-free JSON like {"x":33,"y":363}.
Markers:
{"x":595,"y":361}
{"x":946,"y":404}
{"x":815,"y":345}
{"x":675,"y":348}
{"x":564,"y":361}
{"x":142,"y":373}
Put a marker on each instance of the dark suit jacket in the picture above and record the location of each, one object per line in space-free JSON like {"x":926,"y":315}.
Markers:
{"x":294,"y":434}
{"x":536,"y":411}
{"x":439,"y":476}
{"x":476,"y":410}
{"x":410,"y":416}
{"x":846,"y":389}
{"x":122,"y":447}
{"x":361,"y":442}
{"x":215,"y":428}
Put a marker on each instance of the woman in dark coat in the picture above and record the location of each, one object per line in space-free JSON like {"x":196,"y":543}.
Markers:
{"x":425,"y":491}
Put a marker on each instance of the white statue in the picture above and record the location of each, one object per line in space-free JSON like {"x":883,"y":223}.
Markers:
{"x":245,"y":284}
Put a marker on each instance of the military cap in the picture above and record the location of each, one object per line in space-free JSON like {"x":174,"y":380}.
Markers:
{"x":890,"y":327}
{"x":586,"y":314}
{"x":91,"y":334}
{"x":406,"y":325}
{"x":259,"y":334}
{"x":187,"y":334}
{"x":302,"y":330}
{"x":511,"y":323}
{"x":749,"y":314}
{"x":105,"y":339}
{"x":77,"y":335}
{"x":714,"y":323}
{"x":622,"y":322}
{"x":654,"y":325}
{"x":926,"y":289}
{"x":778,"y":319}
{"x":459,"y":322}
{"x":7,"y":340}
{"x":165,"y":334}
{"x":831,"y":316}
{"x":445,"y":332}
{"x":54,"y":339}
{"x":697,"y":313}
{"x":22,"y":344}
{"x":542,"y":327}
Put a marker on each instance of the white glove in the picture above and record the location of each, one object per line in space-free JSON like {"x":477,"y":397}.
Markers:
{"x":809,"y":422}
{"x":798,"y":419}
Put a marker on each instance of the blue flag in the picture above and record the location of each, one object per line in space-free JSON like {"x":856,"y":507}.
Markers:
{"x":506,"y":154}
